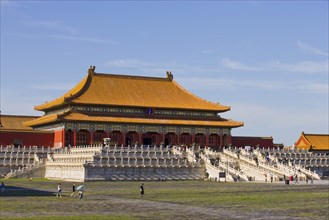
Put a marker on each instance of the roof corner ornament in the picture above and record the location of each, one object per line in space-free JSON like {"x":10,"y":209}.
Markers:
{"x":169,"y":75}
{"x":91,"y":70}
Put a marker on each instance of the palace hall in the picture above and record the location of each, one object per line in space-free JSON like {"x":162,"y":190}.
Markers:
{"x":133,"y":110}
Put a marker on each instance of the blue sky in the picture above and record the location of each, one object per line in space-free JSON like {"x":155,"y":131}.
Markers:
{"x":267,"y":60}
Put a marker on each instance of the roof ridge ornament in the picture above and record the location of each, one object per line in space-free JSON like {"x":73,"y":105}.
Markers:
{"x":169,"y":75}
{"x":91,"y":70}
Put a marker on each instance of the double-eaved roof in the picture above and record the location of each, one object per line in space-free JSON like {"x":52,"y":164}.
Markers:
{"x":113,"y":90}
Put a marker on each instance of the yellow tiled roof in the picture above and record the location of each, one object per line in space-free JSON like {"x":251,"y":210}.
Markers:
{"x":137,"y":91}
{"x":75,"y":116}
{"x":318,"y":141}
{"x":15,"y":122}
{"x":43,"y":120}
{"x":61,"y":100}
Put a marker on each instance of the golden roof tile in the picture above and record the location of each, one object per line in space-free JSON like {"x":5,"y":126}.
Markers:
{"x":43,"y":120}
{"x":316,"y":141}
{"x":132,"y":91}
{"x":15,"y":122}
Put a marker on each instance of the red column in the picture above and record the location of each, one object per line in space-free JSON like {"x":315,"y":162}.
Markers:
{"x":74,"y":138}
{"x":229,"y":139}
{"x":91,"y":139}
{"x":193,"y":138}
{"x":207,"y":140}
{"x":221,"y":140}
{"x":63,"y":138}
{"x":124,"y":138}
{"x":140,"y":138}
{"x":178,"y":138}
{"x":163,"y":138}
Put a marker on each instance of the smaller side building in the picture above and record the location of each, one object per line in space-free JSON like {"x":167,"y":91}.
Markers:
{"x":12,"y":132}
{"x":313,"y":142}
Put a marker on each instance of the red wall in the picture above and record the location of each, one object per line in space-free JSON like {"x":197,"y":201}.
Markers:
{"x":27,"y":138}
{"x":58,"y":138}
{"x":266,"y":142}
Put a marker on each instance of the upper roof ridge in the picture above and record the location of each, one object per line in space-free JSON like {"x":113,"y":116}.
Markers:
{"x":91,"y":72}
{"x":114,"y":75}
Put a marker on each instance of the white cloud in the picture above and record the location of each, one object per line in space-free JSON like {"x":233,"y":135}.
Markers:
{"x":53,"y":25}
{"x":207,"y":83}
{"x":309,"y":49}
{"x":301,"y":67}
{"x":228,"y":63}
{"x":60,"y":31}
{"x":64,"y":37}
{"x":78,"y":38}
{"x":149,"y":67}
{"x":316,"y":88}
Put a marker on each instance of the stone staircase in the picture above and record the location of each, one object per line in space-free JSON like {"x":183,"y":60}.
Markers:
{"x":270,"y":169}
{"x":14,"y":160}
{"x":123,"y":163}
{"x":36,"y":170}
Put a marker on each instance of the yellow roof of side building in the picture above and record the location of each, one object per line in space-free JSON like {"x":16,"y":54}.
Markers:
{"x":132,"y":91}
{"x":15,"y":122}
{"x":76,"y":117}
{"x":316,"y":141}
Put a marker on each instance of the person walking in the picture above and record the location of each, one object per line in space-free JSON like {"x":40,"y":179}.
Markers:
{"x":141,"y":190}
{"x":59,"y":190}
{"x":80,"y":194}
{"x":73,"y":190}
{"x":2,"y":187}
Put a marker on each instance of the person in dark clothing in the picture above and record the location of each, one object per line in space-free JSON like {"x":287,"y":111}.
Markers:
{"x":2,"y":187}
{"x":141,"y":190}
{"x":73,"y":190}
